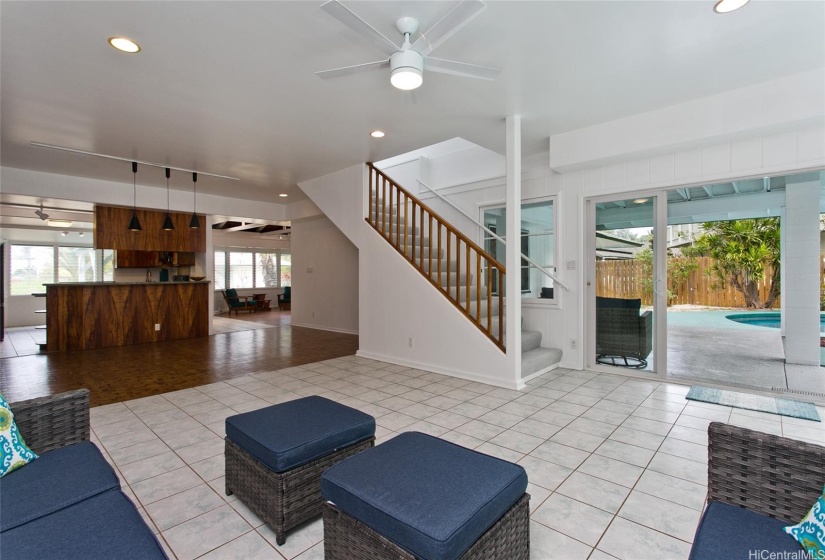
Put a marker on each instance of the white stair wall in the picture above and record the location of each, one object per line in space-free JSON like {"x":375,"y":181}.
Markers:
{"x":396,"y":303}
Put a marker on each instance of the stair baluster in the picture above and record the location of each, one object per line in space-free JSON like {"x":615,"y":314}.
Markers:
{"x":420,"y":225}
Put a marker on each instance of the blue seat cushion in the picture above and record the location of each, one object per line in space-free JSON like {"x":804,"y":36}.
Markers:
{"x":291,"y":434}
{"x":733,"y":533}
{"x":104,"y":527}
{"x":56,"y":480}
{"x":430,"y":496}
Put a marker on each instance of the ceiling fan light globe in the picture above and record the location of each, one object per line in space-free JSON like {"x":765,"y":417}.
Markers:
{"x":406,"y":78}
{"x":407,"y":70}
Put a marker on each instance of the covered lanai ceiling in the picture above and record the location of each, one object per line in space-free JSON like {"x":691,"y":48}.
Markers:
{"x":229,"y":87}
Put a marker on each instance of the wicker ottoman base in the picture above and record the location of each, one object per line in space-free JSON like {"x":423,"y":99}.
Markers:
{"x":346,"y":538}
{"x":283,"y":500}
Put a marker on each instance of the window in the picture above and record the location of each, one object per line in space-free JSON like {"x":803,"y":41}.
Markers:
{"x":31,"y":267}
{"x":76,"y":264}
{"x":35,"y":265}
{"x":537,"y":243}
{"x":241,"y":270}
{"x":220,"y":270}
{"x":266,"y":270}
{"x":107,"y":258}
{"x":286,"y":269}
{"x":252,"y":269}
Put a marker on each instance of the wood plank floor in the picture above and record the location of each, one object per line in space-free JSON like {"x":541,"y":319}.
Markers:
{"x":130,"y":372}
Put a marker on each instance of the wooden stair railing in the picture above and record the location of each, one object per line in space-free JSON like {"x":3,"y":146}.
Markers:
{"x":402,"y":219}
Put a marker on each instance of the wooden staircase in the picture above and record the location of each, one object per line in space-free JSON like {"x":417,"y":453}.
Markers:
{"x":461,"y":270}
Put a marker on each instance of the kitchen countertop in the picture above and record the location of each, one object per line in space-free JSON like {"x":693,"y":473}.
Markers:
{"x":126,"y":283}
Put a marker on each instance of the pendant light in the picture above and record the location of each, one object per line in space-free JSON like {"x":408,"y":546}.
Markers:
{"x":134,"y":223}
{"x":194,"y":223}
{"x":167,"y":222}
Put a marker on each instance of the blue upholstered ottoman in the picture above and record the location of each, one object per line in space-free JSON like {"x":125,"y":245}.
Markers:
{"x":275,"y":456}
{"x":417,"y":496}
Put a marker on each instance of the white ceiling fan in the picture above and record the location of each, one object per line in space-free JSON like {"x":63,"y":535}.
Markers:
{"x":408,"y":61}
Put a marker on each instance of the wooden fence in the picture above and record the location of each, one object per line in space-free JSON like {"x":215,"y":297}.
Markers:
{"x":624,"y":279}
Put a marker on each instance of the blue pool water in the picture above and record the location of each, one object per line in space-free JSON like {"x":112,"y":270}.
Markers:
{"x":768,"y":319}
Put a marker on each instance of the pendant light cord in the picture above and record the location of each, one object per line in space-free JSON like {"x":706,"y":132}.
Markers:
{"x":168,"y":173}
{"x":194,"y":192}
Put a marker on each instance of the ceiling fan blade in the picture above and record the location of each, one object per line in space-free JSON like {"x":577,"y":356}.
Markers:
{"x":347,"y":70}
{"x":460,"y":68}
{"x":449,"y":24}
{"x":348,"y":18}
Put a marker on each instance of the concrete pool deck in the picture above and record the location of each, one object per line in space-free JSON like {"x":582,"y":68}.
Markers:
{"x":705,"y":346}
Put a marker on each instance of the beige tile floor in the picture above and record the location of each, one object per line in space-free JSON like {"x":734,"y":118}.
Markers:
{"x":617,"y":466}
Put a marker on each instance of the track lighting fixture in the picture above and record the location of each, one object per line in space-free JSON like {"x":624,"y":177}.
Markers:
{"x":134,"y":223}
{"x":167,"y":222}
{"x":194,"y":223}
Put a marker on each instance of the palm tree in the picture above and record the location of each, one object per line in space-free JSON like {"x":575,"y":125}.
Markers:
{"x":742,"y":251}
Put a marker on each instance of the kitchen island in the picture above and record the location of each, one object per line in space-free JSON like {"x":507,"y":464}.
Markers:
{"x":86,"y":315}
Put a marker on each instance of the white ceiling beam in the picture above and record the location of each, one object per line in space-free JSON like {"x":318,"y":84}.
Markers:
{"x":708,"y":190}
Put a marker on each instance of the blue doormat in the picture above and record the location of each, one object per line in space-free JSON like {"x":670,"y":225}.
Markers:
{"x":772,"y":405}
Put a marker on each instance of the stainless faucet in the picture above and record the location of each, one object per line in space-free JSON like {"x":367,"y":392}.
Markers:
{"x":148,"y":275}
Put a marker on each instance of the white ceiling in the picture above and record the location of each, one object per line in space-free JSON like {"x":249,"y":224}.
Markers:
{"x":229,"y":87}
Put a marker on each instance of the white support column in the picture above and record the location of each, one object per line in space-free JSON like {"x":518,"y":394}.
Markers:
{"x":800,"y":286}
{"x":209,"y":267}
{"x":513,"y":259}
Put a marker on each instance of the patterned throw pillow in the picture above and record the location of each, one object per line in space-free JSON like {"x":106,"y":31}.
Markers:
{"x":810,"y":532}
{"x":14,"y":453}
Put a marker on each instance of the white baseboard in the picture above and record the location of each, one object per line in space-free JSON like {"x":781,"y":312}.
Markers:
{"x":539,"y":372}
{"x":323,"y":328}
{"x":469,"y":376}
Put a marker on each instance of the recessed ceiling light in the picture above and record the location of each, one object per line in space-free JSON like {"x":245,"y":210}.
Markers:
{"x":60,"y":223}
{"x":64,"y":233}
{"x":640,"y":200}
{"x":377,"y":134}
{"x":725,"y":6}
{"x":124,"y":44}
{"x":283,"y":195}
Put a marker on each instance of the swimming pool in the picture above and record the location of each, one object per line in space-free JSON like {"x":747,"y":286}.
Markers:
{"x":769,"y":319}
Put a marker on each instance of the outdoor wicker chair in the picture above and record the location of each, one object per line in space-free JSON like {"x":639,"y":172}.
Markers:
{"x":54,"y":421}
{"x":757,"y":484}
{"x":623,"y":336}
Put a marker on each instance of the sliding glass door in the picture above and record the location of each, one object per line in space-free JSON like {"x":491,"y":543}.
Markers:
{"x":624,"y":282}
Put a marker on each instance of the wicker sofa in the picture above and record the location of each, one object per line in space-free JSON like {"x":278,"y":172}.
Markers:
{"x":624,"y":337}
{"x":67,"y":503}
{"x":757,"y":484}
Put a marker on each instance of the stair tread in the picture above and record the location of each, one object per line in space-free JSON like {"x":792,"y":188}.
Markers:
{"x":539,"y":359}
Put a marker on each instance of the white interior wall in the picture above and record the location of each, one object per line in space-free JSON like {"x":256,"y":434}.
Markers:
{"x":790,"y":103}
{"x":396,"y":303}
{"x":325,"y":276}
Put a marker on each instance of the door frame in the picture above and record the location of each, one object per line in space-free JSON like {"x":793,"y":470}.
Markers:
{"x":659,"y":285}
